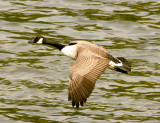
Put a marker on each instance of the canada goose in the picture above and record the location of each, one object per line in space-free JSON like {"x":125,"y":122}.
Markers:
{"x":91,"y":61}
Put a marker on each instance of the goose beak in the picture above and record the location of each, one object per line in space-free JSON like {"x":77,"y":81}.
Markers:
{"x":31,"y":41}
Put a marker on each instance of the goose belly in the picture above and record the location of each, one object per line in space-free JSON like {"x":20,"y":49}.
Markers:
{"x":70,"y":51}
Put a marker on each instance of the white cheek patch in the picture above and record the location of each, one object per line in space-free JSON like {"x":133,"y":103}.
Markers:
{"x":70,"y":51}
{"x":40,"y":41}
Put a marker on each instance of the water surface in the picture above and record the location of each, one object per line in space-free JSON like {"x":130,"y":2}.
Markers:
{"x":34,"y":78}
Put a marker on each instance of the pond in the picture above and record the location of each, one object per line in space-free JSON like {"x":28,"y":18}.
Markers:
{"x":34,"y":78}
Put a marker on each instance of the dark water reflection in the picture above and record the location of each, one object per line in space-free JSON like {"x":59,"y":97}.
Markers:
{"x":34,"y":78}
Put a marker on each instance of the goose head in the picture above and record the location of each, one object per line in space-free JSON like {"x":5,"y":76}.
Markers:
{"x":38,"y":40}
{"x":69,"y":50}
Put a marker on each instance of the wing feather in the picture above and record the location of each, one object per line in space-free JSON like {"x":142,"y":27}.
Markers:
{"x":83,"y":76}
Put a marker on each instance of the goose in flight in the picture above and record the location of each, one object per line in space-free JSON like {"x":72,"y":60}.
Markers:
{"x":91,"y":61}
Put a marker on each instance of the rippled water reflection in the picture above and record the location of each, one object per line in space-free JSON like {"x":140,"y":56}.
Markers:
{"x":34,"y":78}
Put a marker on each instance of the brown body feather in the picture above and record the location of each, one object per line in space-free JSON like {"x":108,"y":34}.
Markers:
{"x":90,"y":64}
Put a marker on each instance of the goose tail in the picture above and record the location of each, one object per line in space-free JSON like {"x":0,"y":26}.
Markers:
{"x":120,"y":64}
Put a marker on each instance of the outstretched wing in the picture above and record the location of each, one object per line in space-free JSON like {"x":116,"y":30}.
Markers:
{"x":83,"y":76}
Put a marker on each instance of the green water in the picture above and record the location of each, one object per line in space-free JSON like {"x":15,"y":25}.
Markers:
{"x":34,"y":78}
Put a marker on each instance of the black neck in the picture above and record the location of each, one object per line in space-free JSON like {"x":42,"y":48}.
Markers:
{"x":55,"y":44}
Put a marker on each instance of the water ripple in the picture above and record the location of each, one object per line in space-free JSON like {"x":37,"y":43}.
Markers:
{"x":34,"y":78}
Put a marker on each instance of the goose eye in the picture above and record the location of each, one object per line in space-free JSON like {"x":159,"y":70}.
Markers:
{"x":72,"y":43}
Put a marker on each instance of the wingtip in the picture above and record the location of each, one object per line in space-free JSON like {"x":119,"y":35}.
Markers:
{"x":77,"y":105}
{"x":73,"y":103}
{"x":81,"y":103}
